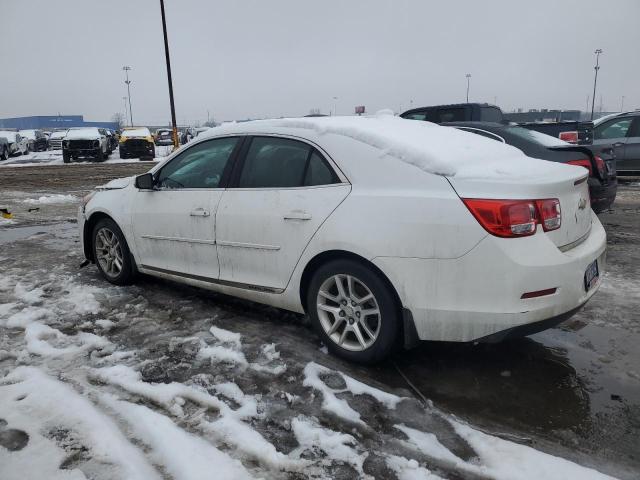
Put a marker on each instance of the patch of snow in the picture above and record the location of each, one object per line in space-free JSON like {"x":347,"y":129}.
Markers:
{"x":105,"y":324}
{"x":225,"y":336}
{"x":52,"y":199}
{"x":27,"y":316}
{"x":184,"y":455}
{"x":220,"y":354}
{"x":429,"y":444}
{"x":136,"y":132}
{"x":337,"y":446}
{"x":38,"y":337}
{"x":85,"y":133}
{"x":6,"y":221}
{"x":409,"y":469}
{"x":82,"y":299}
{"x":48,"y":403}
{"x":28,"y":295}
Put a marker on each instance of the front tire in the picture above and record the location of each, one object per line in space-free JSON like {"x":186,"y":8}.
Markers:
{"x":5,"y":153}
{"x":111,"y":253}
{"x":66,"y":157}
{"x":354,"y":311}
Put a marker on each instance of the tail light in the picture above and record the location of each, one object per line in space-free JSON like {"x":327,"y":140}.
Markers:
{"x":586,"y":163}
{"x":571,"y":137}
{"x":602,"y":169}
{"x":515,"y":218}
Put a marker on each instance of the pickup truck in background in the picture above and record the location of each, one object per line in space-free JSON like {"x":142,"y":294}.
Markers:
{"x":457,"y":112}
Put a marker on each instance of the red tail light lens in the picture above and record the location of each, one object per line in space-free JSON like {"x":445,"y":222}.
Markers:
{"x":600,"y":166}
{"x":571,"y":137}
{"x":550,"y":214}
{"x":515,"y":218}
{"x":586,"y":163}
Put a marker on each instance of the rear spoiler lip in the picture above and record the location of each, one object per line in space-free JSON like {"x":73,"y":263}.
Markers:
{"x":581,"y":149}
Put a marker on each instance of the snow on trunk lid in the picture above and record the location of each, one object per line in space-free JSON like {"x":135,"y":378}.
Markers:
{"x":566,"y":183}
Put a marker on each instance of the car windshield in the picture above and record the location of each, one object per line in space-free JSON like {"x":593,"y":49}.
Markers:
{"x":58,"y":135}
{"x":83,"y":133}
{"x":30,"y":134}
{"x":136,"y":132}
{"x":537,"y":137}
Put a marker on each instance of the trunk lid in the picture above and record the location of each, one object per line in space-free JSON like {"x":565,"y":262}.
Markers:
{"x":567,"y":183}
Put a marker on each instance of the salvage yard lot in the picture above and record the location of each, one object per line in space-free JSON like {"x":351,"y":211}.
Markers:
{"x":158,"y":379}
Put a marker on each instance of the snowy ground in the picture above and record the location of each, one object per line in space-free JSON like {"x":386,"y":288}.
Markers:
{"x":163,"y":381}
{"x":54,"y":157}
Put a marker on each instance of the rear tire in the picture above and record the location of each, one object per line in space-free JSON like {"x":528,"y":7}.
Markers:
{"x":360,"y":321}
{"x":66,"y":157}
{"x":5,"y":153}
{"x":111,"y":253}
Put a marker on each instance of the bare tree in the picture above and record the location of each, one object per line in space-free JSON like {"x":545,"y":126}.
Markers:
{"x":118,"y":118}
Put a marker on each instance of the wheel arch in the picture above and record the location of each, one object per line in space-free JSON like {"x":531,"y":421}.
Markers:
{"x":87,"y":241}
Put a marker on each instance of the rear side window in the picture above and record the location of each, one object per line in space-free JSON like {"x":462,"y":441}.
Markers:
{"x":450,"y":115}
{"x":490,"y":114}
{"x":273,"y":162}
{"x":416,"y":116}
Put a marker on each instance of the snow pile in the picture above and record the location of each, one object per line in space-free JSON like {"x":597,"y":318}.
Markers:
{"x":40,"y":336}
{"x":52,"y":199}
{"x":432,"y":148}
{"x":409,"y":469}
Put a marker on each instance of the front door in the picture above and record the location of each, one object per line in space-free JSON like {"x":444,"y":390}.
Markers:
{"x":174,"y":225}
{"x":614,"y":133}
{"x":283,"y":192}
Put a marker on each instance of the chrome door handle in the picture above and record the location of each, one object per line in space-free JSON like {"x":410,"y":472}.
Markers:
{"x":199,"y":212}
{"x":297,"y":216}
{"x":619,"y":144}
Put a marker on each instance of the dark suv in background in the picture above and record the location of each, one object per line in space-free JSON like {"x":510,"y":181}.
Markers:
{"x":457,"y":112}
{"x":622,"y":132}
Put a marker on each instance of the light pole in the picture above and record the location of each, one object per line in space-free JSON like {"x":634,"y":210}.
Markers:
{"x":598,"y":52}
{"x":166,"y":54}
{"x":468,"y":75}
{"x":124,"y":100}
{"x":128,"y":82}
{"x":622,"y":104}
{"x":335,"y":105}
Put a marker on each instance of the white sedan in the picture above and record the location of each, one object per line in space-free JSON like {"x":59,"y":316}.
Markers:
{"x":384,"y":231}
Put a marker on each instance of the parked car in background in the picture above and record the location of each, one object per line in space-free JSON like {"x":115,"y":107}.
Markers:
{"x":137,"y":142}
{"x":163,"y":137}
{"x":384,"y":231}
{"x":108,"y":134}
{"x":622,"y":133}
{"x":18,"y":145}
{"x":603,"y":182}
{"x":199,"y":130}
{"x":4,"y":148}
{"x":86,"y":142}
{"x":113,"y":139}
{"x":580,"y":133}
{"x":36,"y":140}
{"x":459,"y":112}
{"x":55,"y":139}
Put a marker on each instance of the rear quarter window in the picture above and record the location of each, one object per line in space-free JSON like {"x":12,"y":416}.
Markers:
{"x":490,"y":114}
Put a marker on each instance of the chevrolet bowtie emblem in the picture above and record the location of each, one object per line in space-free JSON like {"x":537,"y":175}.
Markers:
{"x":582,"y":204}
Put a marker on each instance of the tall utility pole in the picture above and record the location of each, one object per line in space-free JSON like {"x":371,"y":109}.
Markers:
{"x":335,"y":106}
{"x":468,"y":75}
{"x":128,"y":82}
{"x":124,"y":122}
{"x":174,"y":126}
{"x":622,"y":104}
{"x":598,"y":52}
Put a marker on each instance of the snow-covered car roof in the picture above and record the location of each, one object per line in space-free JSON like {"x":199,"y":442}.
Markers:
{"x":89,"y":133}
{"x":31,"y":134}
{"x":432,"y":148}
{"x":58,"y":134}
{"x":136,"y":132}
{"x":9,"y":135}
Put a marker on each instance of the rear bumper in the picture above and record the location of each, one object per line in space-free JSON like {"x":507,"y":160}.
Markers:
{"x":137,"y":148}
{"x":479,"y":294}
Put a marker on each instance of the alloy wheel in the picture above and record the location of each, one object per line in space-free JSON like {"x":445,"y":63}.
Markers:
{"x":348,"y":312}
{"x":109,"y":252}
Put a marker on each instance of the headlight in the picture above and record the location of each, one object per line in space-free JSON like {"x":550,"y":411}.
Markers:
{"x":87,"y":198}
{"x":123,"y":139}
{"x":149,"y":138}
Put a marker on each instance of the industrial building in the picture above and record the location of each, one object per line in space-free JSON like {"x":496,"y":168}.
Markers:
{"x":51,"y":122}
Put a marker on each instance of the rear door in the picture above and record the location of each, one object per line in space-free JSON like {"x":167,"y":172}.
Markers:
{"x":614,"y":132}
{"x":282,"y":191}
{"x":632,"y":148}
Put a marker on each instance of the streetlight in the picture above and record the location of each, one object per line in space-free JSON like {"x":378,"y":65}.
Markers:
{"x":124,"y":100}
{"x":598,"y":52}
{"x":128,"y":82}
{"x":622,"y":104}
{"x":335,"y":105}
{"x":468,"y":75}
{"x":166,"y":54}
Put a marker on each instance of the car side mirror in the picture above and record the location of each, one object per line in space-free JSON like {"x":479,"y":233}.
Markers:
{"x":145,"y":182}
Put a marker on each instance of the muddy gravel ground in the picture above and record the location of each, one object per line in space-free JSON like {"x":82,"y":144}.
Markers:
{"x":572,"y":391}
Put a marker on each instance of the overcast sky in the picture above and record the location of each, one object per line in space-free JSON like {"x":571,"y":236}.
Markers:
{"x":261,"y":58}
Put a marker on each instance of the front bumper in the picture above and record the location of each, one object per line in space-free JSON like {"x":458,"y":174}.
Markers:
{"x":479,"y":294}
{"x":82,"y":152}
{"x":137,"y":148}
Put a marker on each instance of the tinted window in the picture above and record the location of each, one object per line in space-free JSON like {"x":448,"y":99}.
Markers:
{"x":634,"y":131}
{"x":490,"y":114}
{"x":450,"y":115}
{"x":416,"y":116}
{"x":318,"y":172}
{"x":200,"y":166}
{"x":613,"y":129}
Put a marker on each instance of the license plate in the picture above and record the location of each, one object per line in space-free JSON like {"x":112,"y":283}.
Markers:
{"x":591,"y":275}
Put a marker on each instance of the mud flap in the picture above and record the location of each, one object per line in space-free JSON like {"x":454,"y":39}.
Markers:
{"x":411,"y":339}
